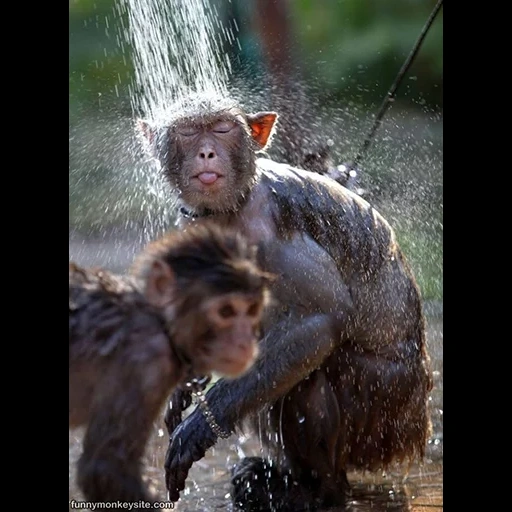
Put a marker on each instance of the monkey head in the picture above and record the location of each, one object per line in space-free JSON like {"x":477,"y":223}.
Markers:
{"x":212,"y":295}
{"x":207,"y":151}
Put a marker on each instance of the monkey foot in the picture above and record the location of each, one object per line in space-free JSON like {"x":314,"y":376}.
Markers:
{"x":259,"y":487}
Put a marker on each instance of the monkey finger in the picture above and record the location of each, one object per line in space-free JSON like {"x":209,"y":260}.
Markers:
{"x":172,"y":420}
{"x":174,"y":488}
{"x":175,"y":482}
{"x":177,"y":465}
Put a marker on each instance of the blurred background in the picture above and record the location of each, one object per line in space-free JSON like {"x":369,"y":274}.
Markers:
{"x":341,"y":56}
{"x":325,"y":66}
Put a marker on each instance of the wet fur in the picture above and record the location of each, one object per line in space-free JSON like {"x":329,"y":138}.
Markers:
{"x":121,"y":369}
{"x":376,"y":385}
{"x":359,"y":382}
{"x":126,"y":356}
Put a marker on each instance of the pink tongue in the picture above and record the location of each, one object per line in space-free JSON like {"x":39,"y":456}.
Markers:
{"x":208,"y":177}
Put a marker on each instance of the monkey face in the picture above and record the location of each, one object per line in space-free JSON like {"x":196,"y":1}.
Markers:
{"x":210,"y":292}
{"x":210,"y":161}
{"x":223,"y":337}
{"x":208,"y":152}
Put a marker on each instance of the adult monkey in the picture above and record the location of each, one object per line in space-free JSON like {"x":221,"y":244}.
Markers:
{"x":343,"y":375}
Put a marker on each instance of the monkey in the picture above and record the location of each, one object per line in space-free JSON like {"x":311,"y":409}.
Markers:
{"x":343,"y":375}
{"x":190,"y":305}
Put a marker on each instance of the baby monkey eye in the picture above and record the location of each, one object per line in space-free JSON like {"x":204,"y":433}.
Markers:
{"x":223,"y":127}
{"x":254,"y":309}
{"x":227,"y":311}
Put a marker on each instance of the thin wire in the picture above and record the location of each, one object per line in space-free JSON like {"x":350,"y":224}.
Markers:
{"x":392,"y":91}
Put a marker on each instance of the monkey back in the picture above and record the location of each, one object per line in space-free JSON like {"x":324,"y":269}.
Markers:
{"x":104,"y":308}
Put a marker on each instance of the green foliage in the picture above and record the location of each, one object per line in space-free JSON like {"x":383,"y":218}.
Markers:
{"x":362,"y":44}
{"x":425,"y":255}
{"x":99,"y":60}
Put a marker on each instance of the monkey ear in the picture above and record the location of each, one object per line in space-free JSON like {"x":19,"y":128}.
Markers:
{"x":261,"y":125}
{"x":146,"y":129}
{"x":161,"y":284}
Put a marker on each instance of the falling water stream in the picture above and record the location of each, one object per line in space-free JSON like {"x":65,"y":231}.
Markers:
{"x":177,"y":51}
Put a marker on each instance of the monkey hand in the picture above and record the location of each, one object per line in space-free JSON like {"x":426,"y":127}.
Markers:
{"x":188,"y":444}
{"x":180,"y":400}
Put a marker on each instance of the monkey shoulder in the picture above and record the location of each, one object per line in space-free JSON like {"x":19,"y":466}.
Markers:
{"x":285,"y":180}
{"x":354,"y":233}
{"x":307,"y":276}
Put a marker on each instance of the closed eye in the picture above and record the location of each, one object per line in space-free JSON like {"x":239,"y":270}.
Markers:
{"x":223,"y":127}
{"x":188,"y":131}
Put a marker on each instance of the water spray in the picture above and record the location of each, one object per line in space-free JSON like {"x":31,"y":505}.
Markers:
{"x":390,"y":96}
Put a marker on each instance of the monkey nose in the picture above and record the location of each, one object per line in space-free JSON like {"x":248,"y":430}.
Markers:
{"x":207,"y":155}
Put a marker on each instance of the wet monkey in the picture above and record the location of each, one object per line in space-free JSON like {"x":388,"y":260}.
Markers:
{"x":343,"y":376}
{"x":191,"y":305}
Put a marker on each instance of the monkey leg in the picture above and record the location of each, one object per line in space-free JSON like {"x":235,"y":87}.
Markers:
{"x":359,"y":411}
{"x":300,"y":432}
{"x":258,"y":486}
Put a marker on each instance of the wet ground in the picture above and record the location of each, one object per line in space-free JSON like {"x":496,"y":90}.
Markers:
{"x":208,"y":483}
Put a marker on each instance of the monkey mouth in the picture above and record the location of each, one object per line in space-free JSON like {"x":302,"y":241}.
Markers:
{"x":207,"y":177}
{"x":229,"y":367}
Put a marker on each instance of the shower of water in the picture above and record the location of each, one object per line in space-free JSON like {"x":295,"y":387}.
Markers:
{"x":176,"y":52}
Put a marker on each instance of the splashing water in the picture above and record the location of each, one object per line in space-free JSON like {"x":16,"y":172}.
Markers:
{"x":176,"y":52}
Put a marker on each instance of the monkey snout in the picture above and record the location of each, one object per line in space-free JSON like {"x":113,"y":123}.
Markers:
{"x":207,"y":154}
{"x":239,"y":358}
{"x":207,"y":167}
{"x":245,"y":344}
{"x":243,"y":347}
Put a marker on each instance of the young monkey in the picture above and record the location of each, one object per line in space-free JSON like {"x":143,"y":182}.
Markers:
{"x":192,"y":305}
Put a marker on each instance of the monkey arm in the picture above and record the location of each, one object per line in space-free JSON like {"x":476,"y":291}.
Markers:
{"x":287,"y":356}
{"x":321,"y":313}
{"x":290,"y":352}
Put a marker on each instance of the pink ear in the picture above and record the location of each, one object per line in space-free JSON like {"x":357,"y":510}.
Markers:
{"x":261,"y":125}
{"x":146,"y":130}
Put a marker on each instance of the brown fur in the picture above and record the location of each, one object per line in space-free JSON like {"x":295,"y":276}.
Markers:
{"x":344,"y":343}
{"x":132,"y":339}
